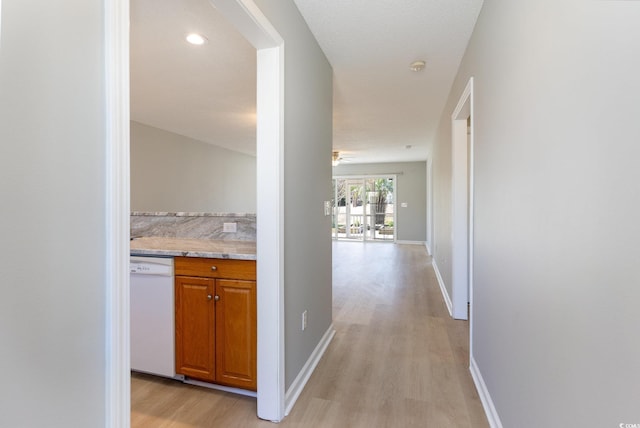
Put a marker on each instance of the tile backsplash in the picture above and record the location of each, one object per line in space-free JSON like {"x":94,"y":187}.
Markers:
{"x":193,"y":225}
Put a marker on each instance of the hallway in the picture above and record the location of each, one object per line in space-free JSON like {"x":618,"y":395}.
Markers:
{"x":397,"y":359}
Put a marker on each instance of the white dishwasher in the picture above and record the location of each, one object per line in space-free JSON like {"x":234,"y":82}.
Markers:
{"x":152,"y":315}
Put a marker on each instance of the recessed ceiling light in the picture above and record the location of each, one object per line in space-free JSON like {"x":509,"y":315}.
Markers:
{"x":417,"y":66}
{"x":196,"y":39}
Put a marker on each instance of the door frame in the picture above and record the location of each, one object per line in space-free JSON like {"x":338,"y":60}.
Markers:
{"x":429,"y":241}
{"x":363,"y":178}
{"x":253,"y":25}
{"x":462,"y":203}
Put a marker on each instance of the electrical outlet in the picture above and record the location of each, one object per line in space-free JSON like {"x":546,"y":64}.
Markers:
{"x":229,"y":227}
{"x":304,"y":320}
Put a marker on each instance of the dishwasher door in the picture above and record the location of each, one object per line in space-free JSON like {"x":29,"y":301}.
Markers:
{"x":152,"y":315}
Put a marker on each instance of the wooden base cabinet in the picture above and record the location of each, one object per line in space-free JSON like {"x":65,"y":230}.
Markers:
{"x":195,"y":327}
{"x":236,"y":334}
{"x":216,"y":321}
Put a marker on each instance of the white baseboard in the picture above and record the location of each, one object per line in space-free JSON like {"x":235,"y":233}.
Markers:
{"x":301,"y":380}
{"x":443,"y":289}
{"x":426,"y":244}
{"x":410,"y":242}
{"x":487,"y":402}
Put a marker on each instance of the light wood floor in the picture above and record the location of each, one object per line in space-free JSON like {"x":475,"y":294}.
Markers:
{"x":397,"y":359}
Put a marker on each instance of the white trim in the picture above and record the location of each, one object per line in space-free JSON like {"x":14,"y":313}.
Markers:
{"x":249,"y":20}
{"x":443,"y":289}
{"x":411,"y":242}
{"x":471,"y":211}
{"x":485,"y":397}
{"x":117,"y":365}
{"x":426,"y":245}
{"x":429,"y":211}
{"x":269,"y":240}
{"x":253,"y":25}
{"x":298,"y":384}
{"x":461,"y":187}
{"x":270,"y":234}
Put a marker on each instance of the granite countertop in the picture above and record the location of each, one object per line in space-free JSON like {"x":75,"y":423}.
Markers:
{"x":209,"y":248}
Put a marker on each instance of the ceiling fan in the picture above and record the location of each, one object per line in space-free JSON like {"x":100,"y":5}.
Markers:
{"x":336,"y":158}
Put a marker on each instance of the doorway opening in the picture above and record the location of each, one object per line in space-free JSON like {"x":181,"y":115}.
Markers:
{"x":364,"y":208}
{"x":462,"y":204}
{"x":249,"y":20}
{"x":430,"y":239}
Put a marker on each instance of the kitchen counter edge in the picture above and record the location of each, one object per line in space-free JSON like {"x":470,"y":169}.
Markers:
{"x":203,"y":254}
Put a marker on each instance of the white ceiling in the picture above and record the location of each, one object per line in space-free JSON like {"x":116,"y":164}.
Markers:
{"x":204,"y":92}
{"x":380,"y":106}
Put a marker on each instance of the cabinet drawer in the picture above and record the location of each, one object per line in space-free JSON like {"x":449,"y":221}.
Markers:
{"x":215,"y":268}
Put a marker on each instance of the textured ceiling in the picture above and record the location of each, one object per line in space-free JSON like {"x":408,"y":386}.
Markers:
{"x":380,"y":106}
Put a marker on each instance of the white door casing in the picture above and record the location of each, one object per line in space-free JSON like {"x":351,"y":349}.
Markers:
{"x":462,"y":203}
{"x":254,"y":26}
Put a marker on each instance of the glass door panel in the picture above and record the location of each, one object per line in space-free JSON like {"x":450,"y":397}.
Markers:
{"x":363,"y":208}
{"x":339,"y":209}
{"x":354,"y":220}
{"x":381,"y":201}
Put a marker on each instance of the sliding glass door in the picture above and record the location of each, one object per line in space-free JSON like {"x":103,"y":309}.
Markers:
{"x":364,"y":208}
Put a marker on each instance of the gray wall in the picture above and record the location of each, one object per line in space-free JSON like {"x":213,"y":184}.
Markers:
{"x":555,"y":317}
{"x":411,"y":188}
{"x":171,"y":172}
{"x":52,"y":148}
{"x":307,"y":140}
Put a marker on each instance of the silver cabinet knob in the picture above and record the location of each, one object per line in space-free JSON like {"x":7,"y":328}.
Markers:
{"x":209,"y":297}
{"x":214,"y":268}
{"x":216,"y":298}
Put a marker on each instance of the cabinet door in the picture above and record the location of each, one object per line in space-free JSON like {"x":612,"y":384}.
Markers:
{"x":195,"y":327}
{"x":236,"y":338}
